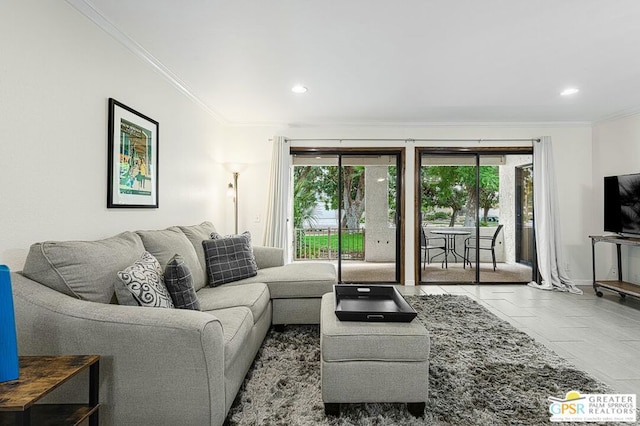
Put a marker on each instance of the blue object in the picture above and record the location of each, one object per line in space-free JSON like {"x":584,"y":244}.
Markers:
{"x":8,"y":342}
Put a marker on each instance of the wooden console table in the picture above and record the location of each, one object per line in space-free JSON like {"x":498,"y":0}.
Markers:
{"x":620,"y":286}
{"x":39,"y":375}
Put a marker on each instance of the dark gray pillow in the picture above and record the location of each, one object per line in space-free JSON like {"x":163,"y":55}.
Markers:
{"x":179,"y":282}
{"x":229,"y":259}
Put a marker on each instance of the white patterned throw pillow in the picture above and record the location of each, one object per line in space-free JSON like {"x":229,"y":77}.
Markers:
{"x":145,"y":281}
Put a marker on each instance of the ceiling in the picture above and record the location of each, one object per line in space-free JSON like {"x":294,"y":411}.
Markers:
{"x":388,"y":62}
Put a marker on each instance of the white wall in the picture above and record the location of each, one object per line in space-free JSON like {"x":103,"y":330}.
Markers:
{"x":572,"y":149}
{"x":57,"y":71}
{"x":616,"y":151}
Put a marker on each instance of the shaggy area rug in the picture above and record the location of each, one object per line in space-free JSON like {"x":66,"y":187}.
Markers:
{"x":482,"y":371}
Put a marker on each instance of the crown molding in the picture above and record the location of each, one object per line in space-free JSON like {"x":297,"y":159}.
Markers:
{"x":617,"y":116}
{"x":389,"y":124}
{"x":492,"y":124}
{"x":86,"y":8}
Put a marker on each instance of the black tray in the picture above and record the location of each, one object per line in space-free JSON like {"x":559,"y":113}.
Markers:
{"x":376,"y":303}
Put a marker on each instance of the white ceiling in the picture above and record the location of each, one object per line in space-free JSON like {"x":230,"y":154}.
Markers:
{"x":389,"y":61}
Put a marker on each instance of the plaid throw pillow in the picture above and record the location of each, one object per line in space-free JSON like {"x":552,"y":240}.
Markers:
{"x":179,"y":282}
{"x":229,"y":259}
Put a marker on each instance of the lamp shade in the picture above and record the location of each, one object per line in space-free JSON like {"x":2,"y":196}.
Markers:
{"x":8,"y":342}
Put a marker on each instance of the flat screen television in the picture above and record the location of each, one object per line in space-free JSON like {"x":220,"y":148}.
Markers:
{"x":622,"y":204}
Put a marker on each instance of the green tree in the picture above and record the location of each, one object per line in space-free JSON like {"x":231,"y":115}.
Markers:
{"x":443,"y":187}
{"x":392,"y":192}
{"x":319,"y":184}
{"x":352,"y":195}
{"x":304,"y":196}
{"x":489,"y":190}
{"x":454,"y":187}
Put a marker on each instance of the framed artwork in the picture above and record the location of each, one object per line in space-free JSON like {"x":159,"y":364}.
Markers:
{"x":132,"y":158}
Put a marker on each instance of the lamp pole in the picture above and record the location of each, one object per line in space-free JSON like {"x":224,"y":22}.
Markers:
{"x":235,"y":200}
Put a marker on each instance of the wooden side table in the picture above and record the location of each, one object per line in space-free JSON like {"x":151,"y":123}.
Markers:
{"x":39,"y":375}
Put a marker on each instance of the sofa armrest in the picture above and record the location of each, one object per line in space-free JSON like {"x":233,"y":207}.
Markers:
{"x":158,"y":366}
{"x":268,"y":257}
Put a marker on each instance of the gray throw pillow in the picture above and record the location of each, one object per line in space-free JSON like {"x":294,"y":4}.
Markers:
{"x":179,"y":282}
{"x":164,"y":243}
{"x":144,"y":280}
{"x":229,"y":259}
{"x":124,"y":297}
{"x":196,"y":234}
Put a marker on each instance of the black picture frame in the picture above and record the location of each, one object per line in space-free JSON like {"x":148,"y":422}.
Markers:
{"x":132,"y":153}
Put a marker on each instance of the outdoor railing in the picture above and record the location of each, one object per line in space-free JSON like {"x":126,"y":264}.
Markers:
{"x":314,"y":244}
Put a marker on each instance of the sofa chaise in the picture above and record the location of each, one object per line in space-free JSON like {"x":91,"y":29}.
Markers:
{"x":158,"y":366}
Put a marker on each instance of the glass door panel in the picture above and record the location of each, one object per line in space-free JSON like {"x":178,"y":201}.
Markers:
{"x":315,"y":212}
{"x":447,"y":217}
{"x":346,"y":211}
{"x":525,"y":248}
{"x":369,"y":231}
{"x":500,"y":214}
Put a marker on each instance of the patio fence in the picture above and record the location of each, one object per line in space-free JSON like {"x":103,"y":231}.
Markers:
{"x":312,"y":244}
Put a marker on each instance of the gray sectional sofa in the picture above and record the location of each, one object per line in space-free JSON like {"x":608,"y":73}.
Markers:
{"x":158,"y":366}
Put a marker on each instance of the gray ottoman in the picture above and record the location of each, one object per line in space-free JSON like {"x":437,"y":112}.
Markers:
{"x":372,"y":361}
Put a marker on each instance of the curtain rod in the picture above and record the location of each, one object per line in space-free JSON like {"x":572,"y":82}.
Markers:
{"x":409,"y":140}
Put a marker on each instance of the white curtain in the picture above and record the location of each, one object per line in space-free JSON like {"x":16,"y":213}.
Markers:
{"x":278,"y":211}
{"x":547,"y":227}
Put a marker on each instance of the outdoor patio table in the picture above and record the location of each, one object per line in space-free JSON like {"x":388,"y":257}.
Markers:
{"x":450,"y":243}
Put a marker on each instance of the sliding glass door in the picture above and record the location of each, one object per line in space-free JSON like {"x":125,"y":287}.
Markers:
{"x":346,"y":209}
{"x":475,"y":218}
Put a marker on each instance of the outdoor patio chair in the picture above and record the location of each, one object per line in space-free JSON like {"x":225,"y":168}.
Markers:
{"x":484,"y":243}
{"x":430,"y":243}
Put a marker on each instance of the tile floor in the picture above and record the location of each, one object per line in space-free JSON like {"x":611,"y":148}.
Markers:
{"x":598,"y":335}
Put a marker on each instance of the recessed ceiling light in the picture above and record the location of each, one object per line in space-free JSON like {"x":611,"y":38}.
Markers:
{"x":569,"y":91}
{"x":298,"y":89}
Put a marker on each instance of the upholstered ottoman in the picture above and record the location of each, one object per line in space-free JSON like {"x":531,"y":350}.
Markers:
{"x":372,"y":361}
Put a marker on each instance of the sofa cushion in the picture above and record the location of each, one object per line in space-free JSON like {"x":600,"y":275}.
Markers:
{"x":196,"y":234}
{"x":237,"y":325}
{"x":296,"y":280}
{"x":179,"y":282}
{"x":254,"y":296}
{"x":144,"y":280}
{"x":86,"y":270}
{"x":268,"y":257}
{"x":166,"y":243}
{"x":229,"y":259}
